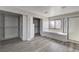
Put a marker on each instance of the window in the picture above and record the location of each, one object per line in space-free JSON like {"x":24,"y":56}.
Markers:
{"x":55,"y":24}
{"x":52,"y":24}
{"x":58,"y":24}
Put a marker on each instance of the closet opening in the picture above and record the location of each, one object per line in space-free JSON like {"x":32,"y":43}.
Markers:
{"x":37,"y":26}
{"x":10,"y":26}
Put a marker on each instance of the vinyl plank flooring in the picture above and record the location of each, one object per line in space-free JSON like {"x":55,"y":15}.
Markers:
{"x":37,"y":44}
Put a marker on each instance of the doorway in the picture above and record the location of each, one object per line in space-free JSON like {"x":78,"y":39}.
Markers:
{"x":36,"y":22}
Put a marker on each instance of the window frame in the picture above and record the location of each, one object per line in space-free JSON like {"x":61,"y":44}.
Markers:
{"x":55,"y":24}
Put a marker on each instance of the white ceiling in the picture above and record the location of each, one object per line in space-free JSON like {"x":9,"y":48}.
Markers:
{"x":49,"y":11}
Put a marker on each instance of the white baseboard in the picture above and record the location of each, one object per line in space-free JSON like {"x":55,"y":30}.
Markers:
{"x":73,"y":41}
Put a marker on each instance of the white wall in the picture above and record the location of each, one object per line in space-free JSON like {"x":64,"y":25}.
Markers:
{"x":31,"y":27}
{"x":25,"y":28}
{"x":28,"y":27}
{"x":45,"y":24}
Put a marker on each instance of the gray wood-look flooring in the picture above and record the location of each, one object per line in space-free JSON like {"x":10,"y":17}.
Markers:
{"x":37,"y":44}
